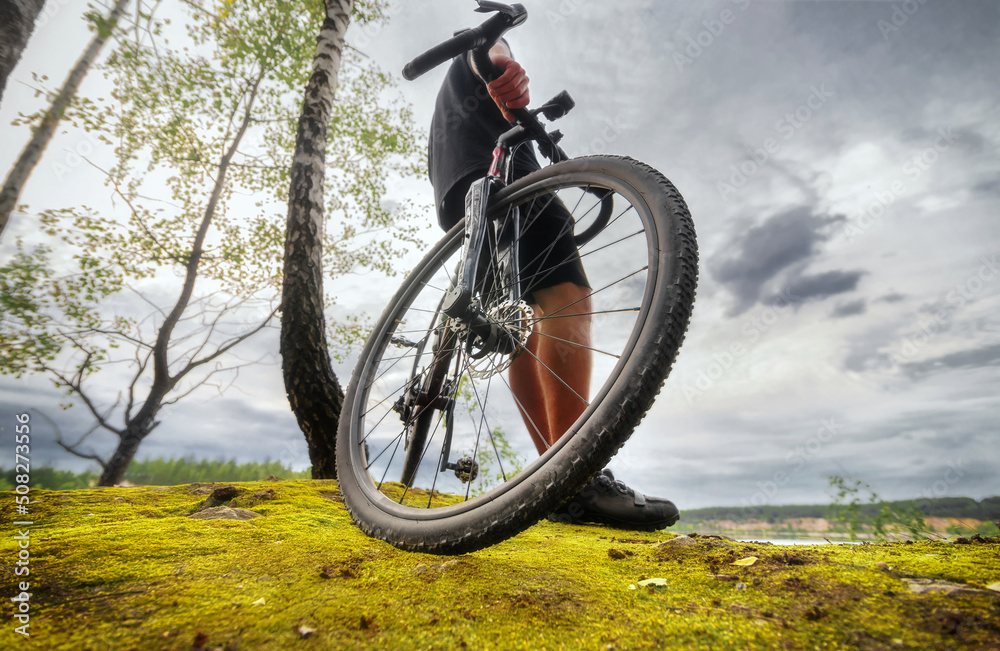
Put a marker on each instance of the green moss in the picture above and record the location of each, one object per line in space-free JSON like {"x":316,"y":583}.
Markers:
{"x":125,"y":568}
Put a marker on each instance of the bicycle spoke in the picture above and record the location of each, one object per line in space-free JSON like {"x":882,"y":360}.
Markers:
{"x":423,"y":452}
{"x":479,"y":431}
{"x":428,"y":354}
{"x":578,"y":345}
{"x":558,"y":377}
{"x":593,"y":293}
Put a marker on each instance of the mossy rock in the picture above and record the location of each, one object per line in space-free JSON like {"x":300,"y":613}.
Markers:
{"x":126,"y":568}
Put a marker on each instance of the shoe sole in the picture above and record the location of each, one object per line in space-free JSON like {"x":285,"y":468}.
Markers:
{"x":621,"y":524}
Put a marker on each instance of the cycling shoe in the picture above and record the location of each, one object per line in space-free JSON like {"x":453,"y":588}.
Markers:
{"x":606,"y":500}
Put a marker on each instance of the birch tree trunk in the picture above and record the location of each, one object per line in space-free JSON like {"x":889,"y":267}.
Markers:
{"x":41,"y":136}
{"x":17,"y":21}
{"x":313,"y":390}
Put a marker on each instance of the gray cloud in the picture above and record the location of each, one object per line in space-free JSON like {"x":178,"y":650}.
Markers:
{"x":850,"y":308}
{"x":973,"y":358}
{"x":988,"y":187}
{"x":763,"y":252}
{"x":814,"y":287}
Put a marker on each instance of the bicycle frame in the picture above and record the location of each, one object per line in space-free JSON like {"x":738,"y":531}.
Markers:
{"x":461,"y":307}
{"x":460,"y":303}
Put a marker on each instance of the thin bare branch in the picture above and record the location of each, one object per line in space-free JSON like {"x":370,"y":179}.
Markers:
{"x":92,"y":455}
{"x":75,"y":386}
{"x":135,"y":380}
{"x":135,"y":212}
{"x":225,"y":347}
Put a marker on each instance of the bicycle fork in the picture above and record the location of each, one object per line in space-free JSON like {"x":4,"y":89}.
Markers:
{"x":460,"y":302}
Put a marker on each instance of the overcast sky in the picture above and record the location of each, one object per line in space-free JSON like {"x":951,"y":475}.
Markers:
{"x":840,"y":162}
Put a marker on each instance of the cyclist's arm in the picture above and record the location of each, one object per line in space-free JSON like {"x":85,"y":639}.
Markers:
{"x":510,"y":90}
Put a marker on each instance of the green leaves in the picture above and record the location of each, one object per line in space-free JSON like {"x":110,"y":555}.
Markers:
{"x":202,"y":118}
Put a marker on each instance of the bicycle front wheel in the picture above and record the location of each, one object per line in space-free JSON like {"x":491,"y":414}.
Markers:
{"x":438,"y":449}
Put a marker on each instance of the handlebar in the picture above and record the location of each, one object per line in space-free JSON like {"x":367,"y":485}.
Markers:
{"x":480,"y":37}
{"x":479,"y":40}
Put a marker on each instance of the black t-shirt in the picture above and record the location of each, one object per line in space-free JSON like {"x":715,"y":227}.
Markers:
{"x":464,"y":131}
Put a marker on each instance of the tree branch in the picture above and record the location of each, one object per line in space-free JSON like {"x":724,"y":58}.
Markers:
{"x":226,"y":347}
{"x":162,"y":379}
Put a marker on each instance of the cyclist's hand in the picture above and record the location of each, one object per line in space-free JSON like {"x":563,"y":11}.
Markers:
{"x":509,"y":90}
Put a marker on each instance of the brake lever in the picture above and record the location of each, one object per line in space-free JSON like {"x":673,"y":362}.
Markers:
{"x":488,"y":6}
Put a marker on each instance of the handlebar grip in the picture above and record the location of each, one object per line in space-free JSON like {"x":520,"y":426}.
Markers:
{"x":438,"y":54}
{"x":477,"y":37}
{"x":488,"y":70}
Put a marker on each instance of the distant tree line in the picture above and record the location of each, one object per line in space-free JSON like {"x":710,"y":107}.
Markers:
{"x":160,"y":472}
{"x":942,"y":507}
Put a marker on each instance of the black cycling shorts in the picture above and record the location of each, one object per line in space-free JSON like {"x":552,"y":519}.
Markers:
{"x":547,"y":250}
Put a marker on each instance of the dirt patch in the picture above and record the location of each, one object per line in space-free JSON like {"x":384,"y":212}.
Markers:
{"x":333,"y":495}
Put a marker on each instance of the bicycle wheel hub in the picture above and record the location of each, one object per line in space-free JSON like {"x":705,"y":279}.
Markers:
{"x":516,"y":321}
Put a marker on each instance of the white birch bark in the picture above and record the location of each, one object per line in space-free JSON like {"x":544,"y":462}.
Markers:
{"x":313,"y":390}
{"x":32,"y":152}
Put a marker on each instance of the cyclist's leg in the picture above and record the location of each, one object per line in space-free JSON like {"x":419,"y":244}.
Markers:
{"x":564,"y":359}
{"x":551,"y":378}
{"x":525,"y":384}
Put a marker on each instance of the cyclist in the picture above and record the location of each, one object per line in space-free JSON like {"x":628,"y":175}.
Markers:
{"x":550,"y":379}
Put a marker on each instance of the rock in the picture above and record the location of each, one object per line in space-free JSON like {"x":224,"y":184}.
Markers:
{"x":224,"y":513}
{"x":679,"y":541}
{"x":219,"y":497}
{"x":268,"y":494}
{"x":921,"y":586}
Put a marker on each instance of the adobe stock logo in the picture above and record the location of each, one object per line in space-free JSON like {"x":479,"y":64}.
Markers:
{"x":786,"y":127}
{"x":695,"y":46}
{"x":828,"y":430}
{"x":900,"y":16}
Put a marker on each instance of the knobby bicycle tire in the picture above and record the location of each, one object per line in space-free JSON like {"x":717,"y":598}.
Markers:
{"x":380,"y":506}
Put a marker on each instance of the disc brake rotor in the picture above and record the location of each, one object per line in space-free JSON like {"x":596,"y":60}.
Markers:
{"x":517,"y":319}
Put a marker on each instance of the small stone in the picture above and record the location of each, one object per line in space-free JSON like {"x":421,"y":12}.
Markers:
{"x":921,"y":586}
{"x":679,"y":541}
{"x":224,"y":513}
{"x":304,"y":631}
{"x":419,"y":568}
{"x":224,"y":493}
{"x":882,"y":566}
{"x":741,"y":586}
